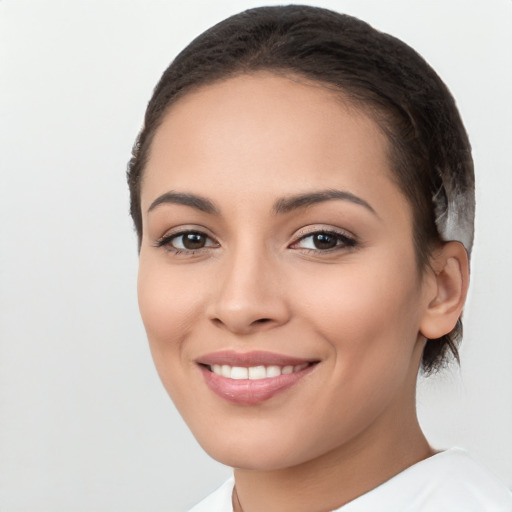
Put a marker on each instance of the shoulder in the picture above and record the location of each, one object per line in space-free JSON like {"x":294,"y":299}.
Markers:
{"x":465,"y":484}
{"x":450,"y":481}
{"x":217,"y":501}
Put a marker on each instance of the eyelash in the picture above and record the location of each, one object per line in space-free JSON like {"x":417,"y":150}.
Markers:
{"x":167,"y":242}
{"x":342,"y":240}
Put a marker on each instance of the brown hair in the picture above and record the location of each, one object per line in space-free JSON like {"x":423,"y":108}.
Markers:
{"x":379,"y":73}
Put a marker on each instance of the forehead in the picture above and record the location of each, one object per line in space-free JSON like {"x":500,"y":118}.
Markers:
{"x":263,"y":130}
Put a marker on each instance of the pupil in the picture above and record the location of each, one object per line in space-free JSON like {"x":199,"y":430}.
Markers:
{"x":324,"y":241}
{"x":193,"y":241}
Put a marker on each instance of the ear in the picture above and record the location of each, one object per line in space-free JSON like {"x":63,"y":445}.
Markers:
{"x":447,"y":290}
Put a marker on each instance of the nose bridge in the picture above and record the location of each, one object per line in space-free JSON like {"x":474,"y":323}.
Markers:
{"x":249,"y":297}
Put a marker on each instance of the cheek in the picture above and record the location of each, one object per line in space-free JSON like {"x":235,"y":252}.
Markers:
{"x":369,"y":319}
{"x":168,"y":306}
{"x":367,"y":313}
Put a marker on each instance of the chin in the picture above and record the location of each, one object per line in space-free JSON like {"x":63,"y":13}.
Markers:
{"x":255,"y":458}
{"x":246,"y":448}
{"x":267,"y":448}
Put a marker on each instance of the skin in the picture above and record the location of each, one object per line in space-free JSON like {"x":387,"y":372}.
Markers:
{"x":360,"y":309}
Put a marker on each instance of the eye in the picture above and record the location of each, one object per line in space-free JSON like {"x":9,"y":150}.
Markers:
{"x":186,"y":241}
{"x":324,"y":241}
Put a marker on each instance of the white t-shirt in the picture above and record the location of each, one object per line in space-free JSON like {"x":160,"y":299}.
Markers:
{"x":449,"y":481}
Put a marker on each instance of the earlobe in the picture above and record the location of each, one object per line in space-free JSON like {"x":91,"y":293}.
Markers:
{"x":450,"y":285}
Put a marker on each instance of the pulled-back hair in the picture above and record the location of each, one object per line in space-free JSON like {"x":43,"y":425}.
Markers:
{"x":429,"y":148}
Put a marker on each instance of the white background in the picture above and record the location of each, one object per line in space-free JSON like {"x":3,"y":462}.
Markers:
{"x":85,"y":425}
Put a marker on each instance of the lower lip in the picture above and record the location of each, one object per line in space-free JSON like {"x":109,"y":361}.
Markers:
{"x":251,"y":392}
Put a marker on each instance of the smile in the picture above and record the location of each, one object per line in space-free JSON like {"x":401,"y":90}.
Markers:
{"x":255,"y":372}
{"x":252,"y":378}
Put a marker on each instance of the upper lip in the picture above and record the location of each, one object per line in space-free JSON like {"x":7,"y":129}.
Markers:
{"x":254,"y":358}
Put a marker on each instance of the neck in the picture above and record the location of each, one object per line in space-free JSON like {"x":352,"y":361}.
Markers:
{"x":339,"y":476}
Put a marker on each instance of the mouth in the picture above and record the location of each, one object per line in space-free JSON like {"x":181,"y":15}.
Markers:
{"x":255,"y":372}
{"x":252,"y":378}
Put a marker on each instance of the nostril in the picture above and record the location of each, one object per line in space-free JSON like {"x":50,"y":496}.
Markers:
{"x":262,"y":321}
{"x":217,"y":321}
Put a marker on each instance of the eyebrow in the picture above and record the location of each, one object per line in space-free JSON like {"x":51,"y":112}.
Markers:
{"x":283,"y":205}
{"x":194,"y":201}
{"x":288,"y":204}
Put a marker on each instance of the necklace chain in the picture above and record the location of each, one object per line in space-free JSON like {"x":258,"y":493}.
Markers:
{"x":237,"y":507}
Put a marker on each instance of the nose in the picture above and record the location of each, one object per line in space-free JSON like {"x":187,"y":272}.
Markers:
{"x":250,"y":296}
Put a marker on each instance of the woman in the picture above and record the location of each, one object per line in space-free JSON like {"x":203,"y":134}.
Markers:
{"x":303,"y":193}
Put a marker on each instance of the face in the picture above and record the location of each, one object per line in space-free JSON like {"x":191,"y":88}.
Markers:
{"x":278,"y":283}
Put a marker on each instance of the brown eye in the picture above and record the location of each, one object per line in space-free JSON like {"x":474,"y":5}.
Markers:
{"x":324,"y":241}
{"x":192,"y":240}
{"x":186,"y":241}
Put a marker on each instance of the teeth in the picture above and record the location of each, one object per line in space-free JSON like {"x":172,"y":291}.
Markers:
{"x":239,"y":373}
{"x":257,"y":372}
{"x":273,"y":371}
{"x":254,"y":372}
